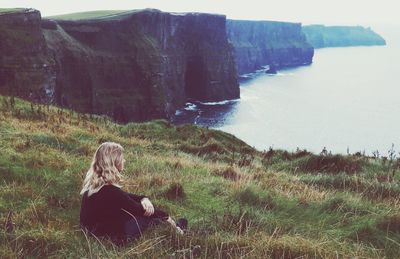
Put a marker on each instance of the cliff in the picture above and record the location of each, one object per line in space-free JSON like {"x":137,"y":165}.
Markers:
{"x":260,"y":43}
{"x":132,"y":66}
{"x":26,"y":65}
{"x":321,"y":36}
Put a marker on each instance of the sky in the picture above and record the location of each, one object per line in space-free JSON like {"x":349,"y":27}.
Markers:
{"x":329,"y":12}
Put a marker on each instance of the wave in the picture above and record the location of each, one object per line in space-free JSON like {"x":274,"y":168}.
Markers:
{"x":284,"y":74}
{"x":249,"y":75}
{"x":253,"y":74}
{"x":190,"y":107}
{"x":220,"y":102}
{"x":262,"y":71}
{"x":178,"y":112}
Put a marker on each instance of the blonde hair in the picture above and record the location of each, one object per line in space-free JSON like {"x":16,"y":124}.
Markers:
{"x":103,"y":169}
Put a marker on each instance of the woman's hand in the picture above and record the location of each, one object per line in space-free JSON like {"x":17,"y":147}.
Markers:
{"x":147,"y":206}
{"x":172,"y":222}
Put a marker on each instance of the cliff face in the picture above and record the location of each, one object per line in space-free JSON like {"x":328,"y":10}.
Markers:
{"x":132,"y":66}
{"x":321,"y":36}
{"x":26,"y":65}
{"x":260,"y":43}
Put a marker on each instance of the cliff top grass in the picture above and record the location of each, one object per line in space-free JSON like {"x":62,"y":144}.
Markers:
{"x":240,"y":202}
{"x":88,"y":15}
{"x":115,"y":14}
{"x":98,"y":15}
{"x":337,"y":36}
{"x":11,"y":10}
{"x":265,"y":22}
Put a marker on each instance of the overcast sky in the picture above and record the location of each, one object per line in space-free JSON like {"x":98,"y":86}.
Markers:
{"x":351,"y":12}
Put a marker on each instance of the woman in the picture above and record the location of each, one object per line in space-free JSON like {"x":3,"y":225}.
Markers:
{"x":109,"y":211}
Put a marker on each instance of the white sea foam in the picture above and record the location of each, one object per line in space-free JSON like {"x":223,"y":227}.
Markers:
{"x":190,"y":107}
{"x":249,"y":75}
{"x":221,"y":102}
{"x":178,"y":112}
{"x":284,"y":74}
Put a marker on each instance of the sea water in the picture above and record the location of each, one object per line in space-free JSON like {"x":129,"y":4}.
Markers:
{"x":348,"y":100}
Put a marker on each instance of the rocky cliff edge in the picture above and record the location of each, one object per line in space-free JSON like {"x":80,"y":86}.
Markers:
{"x":261,"y":43}
{"x":132,"y":66}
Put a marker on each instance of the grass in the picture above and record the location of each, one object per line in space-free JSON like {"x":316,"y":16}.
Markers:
{"x":10,"y":10}
{"x":240,"y":202}
{"x":100,"y":14}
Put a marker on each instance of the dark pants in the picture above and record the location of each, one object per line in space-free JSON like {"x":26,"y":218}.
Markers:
{"x":135,"y":227}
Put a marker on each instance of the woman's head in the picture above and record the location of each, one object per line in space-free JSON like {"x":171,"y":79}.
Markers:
{"x":108,"y":162}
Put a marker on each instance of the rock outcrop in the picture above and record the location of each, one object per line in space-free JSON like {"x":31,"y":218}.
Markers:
{"x":321,"y":36}
{"x":261,"y":43}
{"x":26,"y":64}
{"x":132,"y":66}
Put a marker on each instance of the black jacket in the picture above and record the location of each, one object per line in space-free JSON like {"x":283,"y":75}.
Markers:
{"x":102,"y":214}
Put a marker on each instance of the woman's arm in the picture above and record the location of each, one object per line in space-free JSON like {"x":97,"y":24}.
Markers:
{"x":122,"y":200}
{"x":148,"y":206}
{"x":137,"y":198}
{"x":135,"y":206}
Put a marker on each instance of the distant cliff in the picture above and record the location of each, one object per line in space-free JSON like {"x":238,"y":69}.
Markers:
{"x":132,"y":66}
{"x":260,"y":43}
{"x":321,"y":36}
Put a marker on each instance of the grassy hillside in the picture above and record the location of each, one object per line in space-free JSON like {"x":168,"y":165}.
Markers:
{"x":239,"y":202}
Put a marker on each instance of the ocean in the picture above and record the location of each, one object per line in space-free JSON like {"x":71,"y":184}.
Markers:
{"x":348,"y":100}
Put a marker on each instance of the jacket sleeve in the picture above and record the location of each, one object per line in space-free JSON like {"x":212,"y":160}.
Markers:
{"x":123,"y":201}
{"x":137,"y":198}
{"x":159,"y":214}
